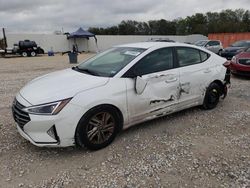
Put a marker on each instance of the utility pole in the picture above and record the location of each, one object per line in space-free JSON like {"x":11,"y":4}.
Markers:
{"x":4,"y":38}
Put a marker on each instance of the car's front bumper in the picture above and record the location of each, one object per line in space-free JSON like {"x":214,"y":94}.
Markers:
{"x":51,"y":130}
{"x":27,"y":137}
{"x":237,"y":68}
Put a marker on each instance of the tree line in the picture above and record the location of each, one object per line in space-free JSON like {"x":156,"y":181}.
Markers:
{"x":228,"y":20}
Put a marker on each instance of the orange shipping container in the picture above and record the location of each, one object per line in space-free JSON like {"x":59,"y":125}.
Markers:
{"x":228,"y":38}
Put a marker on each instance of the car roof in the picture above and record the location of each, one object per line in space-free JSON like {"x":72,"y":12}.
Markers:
{"x":208,"y":40}
{"x":147,"y":45}
{"x":242,"y":41}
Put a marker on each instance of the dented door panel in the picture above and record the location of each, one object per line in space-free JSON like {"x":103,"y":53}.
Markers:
{"x":194,"y":80}
{"x":161,"y":93}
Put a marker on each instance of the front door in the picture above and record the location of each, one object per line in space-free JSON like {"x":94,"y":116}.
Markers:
{"x":161,"y":91}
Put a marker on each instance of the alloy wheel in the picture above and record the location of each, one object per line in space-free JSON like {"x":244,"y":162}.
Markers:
{"x":100,"y":127}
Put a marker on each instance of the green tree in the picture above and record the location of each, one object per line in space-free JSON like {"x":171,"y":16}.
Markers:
{"x":246,"y":21}
{"x":211,"y":22}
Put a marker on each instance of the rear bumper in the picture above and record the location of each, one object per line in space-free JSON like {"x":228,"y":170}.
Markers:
{"x":227,"y":83}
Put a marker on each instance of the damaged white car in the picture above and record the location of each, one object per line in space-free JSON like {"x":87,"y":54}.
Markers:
{"x":125,"y":85}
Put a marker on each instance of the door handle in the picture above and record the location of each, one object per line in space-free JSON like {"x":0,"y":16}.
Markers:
{"x":207,"y":71}
{"x":173,"y":79}
{"x":158,"y":76}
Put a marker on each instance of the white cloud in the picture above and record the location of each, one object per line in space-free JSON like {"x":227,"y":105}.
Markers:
{"x":50,"y":15}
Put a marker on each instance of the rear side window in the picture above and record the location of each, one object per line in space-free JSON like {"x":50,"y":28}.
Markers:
{"x":214,"y":43}
{"x":204,"y":56}
{"x":190,"y":56}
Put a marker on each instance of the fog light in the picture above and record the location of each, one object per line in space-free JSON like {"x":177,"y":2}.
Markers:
{"x":52,"y":132}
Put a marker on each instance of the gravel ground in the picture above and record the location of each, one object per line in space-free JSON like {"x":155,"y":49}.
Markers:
{"x":192,"y":148}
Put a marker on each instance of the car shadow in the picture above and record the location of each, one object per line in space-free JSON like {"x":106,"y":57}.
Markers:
{"x":241,"y":77}
{"x":129,"y":132}
{"x":19,"y":56}
{"x":163,"y":119}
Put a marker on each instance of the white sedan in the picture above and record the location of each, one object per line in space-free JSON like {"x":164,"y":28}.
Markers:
{"x":123,"y":86}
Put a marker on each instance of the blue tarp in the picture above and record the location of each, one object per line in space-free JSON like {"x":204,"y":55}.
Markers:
{"x":81,"y":33}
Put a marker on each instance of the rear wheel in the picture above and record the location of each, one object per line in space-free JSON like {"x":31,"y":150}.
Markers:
{"x":219,"y":53}
{"x":98,"y":128}
{"x":33,"y":54}
{"x":24,"y":54}
{"x":212,"y":96}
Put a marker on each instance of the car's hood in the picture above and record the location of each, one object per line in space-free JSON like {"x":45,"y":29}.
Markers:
{"x":233,"y":49}
{"x":243,"y":55}
{"x":59,"y":85}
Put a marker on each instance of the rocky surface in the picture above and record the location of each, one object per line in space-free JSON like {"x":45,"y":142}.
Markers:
{"x":192,"y":148}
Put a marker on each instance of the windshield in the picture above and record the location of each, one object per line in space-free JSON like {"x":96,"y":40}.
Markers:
{"x":240,"y":44}
{"x":247,"y":50}
{"x":200,"y":43}
{"x":110,"y":62}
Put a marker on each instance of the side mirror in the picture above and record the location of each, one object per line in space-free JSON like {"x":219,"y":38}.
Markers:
{"x":140,"y":85}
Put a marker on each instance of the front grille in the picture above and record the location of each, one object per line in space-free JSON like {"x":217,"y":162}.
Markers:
{"x":20,"y":116}
{"x":244,"y":61}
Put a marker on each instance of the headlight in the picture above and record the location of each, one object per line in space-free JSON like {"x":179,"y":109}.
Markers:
{"x":233,"y":59}
{"x":48,"y":109}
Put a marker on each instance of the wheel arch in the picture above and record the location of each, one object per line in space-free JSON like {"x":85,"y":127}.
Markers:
{"x":119,"y":112}
{"x":220,"y":84}
{"x":80,"y":140}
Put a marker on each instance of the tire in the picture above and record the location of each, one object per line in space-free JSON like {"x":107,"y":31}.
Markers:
{"x":24,"y":54}
{"x":92,"y":131}
{"x":212,"y":96}
{"x":33,"y":54}
{"x":219,"y":53}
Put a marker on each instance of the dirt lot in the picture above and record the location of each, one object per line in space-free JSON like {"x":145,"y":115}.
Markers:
{"x":192,"y":148}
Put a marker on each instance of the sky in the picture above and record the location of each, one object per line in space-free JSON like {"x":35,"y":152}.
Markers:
{"x":47,"y":16}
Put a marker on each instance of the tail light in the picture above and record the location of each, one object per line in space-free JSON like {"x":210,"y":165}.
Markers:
{"x":227,"y":64}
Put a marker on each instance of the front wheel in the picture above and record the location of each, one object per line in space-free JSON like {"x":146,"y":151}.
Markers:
{"x":212,"y":96}
{"x":97,"y":128}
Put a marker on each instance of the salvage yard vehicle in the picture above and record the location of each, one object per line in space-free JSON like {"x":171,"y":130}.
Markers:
{"x":235,"y":49}
{"x":24,"y":48}
{"x":212,"y":45}
{"x":89,"y":104}
{"x":240,"y":64}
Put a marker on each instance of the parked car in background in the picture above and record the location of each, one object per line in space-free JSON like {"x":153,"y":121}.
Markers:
{"x":240,"y":64}
{"x":123,"y":86}
{"x":160,"y":40}
{"x":212,"y":45}
{"x":235,"y":48}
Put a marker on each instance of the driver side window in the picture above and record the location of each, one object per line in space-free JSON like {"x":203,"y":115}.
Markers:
{"x":156,"y":61}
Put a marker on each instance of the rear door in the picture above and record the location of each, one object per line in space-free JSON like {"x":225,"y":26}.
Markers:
{"x":195,"y":72}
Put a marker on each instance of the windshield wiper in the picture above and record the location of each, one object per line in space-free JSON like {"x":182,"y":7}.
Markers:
{"x":76,"y":68}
